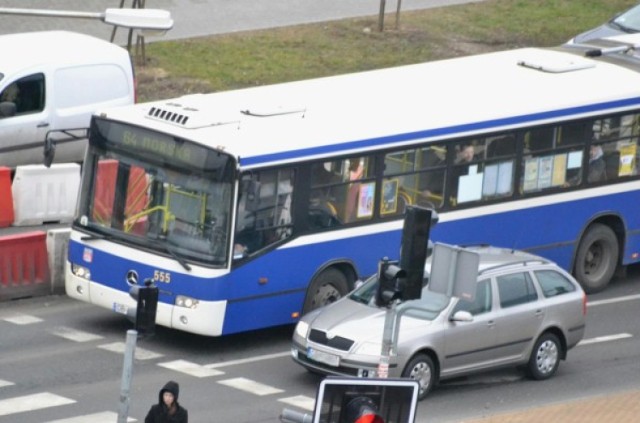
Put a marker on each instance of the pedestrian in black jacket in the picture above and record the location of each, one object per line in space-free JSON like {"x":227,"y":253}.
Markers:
{"x":168,"y":410}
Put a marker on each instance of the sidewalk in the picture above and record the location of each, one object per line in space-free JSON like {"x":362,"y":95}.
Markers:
{"x":622,"y":407}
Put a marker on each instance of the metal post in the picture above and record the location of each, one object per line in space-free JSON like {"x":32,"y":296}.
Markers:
{"x":127,"y":373}
{"x":381,"y":15}
{"x":387,"y":341}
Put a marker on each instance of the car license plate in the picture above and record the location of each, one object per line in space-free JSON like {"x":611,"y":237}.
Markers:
{"x":323,"y":357}
{"x":120,"y":308}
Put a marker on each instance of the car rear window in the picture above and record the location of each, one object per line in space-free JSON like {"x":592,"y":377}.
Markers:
{"x":553,"y":283}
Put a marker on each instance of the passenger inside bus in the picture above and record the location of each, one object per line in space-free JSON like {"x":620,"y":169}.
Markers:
{"x":596,"y":165}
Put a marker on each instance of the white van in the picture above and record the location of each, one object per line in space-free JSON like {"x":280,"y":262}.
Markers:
{"x":50,"y":84}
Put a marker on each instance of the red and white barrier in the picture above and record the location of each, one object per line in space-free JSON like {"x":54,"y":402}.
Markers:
{"x":24,"y":265}
{"x":45,"y":195}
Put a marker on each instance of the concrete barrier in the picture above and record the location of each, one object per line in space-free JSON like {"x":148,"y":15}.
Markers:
{"x":57,"y":248}
{"x":24,"y":265}
{"x":45,"y":195}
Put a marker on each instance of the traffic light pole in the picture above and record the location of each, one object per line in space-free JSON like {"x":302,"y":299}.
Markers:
{"x":388,"y":347}
{"x":127,"y":373}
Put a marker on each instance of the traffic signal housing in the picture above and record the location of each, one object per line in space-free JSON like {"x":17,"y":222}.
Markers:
{"x":146,"y":307}
{"x":390,"y":280}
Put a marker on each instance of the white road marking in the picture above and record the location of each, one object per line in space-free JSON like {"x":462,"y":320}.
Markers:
{"x":140,"y":353}
{"x":22,"y":319}
{"x":5,"y":383}
{"x":300,"y":401}
{"x":190,"y":368}
{"x":250,"y":386}
{"x":75,"y":335}
{"x":607,"y":338}
{"x":248,"y":360}
{"x":32,"y":402}
{"x":104,"y":417}
{"x":613,"y":300}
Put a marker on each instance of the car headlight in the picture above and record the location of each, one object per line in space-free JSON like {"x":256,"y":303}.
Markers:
{"x":302,"y":328}
{"x":369,"y":348}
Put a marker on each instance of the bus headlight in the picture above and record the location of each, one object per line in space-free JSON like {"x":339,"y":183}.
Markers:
{"x":81,"y":272}
{"x":186,"y":302}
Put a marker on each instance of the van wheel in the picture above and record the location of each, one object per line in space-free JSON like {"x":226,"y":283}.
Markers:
{"x":422,"y":369}
{"x":328,"y":287}
{"x":545,"y":357}
{"x":597,"y":258}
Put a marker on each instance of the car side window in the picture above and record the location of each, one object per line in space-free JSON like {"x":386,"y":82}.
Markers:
{"x":515,"y":289}
{"x":482,"y":302}
{"x":553,"y":283}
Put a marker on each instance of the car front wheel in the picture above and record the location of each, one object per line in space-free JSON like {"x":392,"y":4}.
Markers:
{"x":422,"y":369}
{"x":545,"y":357}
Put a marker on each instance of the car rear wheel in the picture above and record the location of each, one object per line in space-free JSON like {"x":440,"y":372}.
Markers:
{"x":597,"y":258}
{"x":422,"y":369}
{"x":328,"y":287}
{"x":545,"y":357}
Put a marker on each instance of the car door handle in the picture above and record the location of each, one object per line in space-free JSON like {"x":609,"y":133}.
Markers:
{"x":491,"y":323}
{"x":42,"y":125}
{"x":539,"y":313}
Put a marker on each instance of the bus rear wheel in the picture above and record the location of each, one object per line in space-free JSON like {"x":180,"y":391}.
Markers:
{"x":326,"y":288}
{"x":597,"y":258}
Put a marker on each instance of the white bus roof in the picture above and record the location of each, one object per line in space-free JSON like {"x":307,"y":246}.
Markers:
{"x":27,"y":50}
{"x":358,"y":112}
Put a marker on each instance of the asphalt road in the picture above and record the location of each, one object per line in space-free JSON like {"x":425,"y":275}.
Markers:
{"x":193,"y":18}
{"x":61,"y":361}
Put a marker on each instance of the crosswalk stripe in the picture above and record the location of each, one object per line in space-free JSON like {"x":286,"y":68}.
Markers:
{"x":300,"y":401}
{"x":248,"y":360}
{"x":104,"y":417}
{"x":250,"y":386}
{"x":22,"y":319}
{"x":5,"y":383}
{"x":190,"y":368}
{"x":605,"y":339}
{"x":140,"y":353}
{"x":32,"y":402}
{"x":75,"y":335}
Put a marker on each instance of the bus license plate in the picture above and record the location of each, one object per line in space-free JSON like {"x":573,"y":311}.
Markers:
{"x":322,"y":357}
{"x":120,"y":308}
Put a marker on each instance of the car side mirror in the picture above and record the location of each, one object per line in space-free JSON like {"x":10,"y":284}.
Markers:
{"x":462,"y":316}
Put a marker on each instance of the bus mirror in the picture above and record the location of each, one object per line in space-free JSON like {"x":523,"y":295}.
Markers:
{"x":49,"y":151}
{"x":251,"y":192}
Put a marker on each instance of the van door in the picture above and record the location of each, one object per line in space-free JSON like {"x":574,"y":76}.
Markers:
{"x":22,"y":134}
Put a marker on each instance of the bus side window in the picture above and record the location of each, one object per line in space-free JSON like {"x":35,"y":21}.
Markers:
{"x":270,"y":219}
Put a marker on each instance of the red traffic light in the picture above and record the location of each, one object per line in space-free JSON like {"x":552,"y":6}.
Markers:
{"x":362,"y":409}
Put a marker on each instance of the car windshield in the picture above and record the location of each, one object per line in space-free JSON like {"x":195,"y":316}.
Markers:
{"x":629,"y":21}
{"x":157,"y":192}
{"x":429,"y":306}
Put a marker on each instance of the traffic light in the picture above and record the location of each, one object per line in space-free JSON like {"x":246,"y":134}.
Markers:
{"x":415,"y":248}
{"x":361,"y":409}
{"x":146,"y":306}
{"x":390,"y":279}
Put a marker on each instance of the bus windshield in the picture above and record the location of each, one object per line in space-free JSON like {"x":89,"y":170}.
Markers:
{"x":157,"y":191}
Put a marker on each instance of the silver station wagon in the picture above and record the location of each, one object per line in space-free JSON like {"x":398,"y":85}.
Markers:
{"x":527,"y":312}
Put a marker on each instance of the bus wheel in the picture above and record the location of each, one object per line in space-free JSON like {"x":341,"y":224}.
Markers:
{"x":326,"y":288}
{"x":597,"y":258}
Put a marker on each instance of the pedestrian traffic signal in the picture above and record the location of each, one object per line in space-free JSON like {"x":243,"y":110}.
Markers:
{"x":146,"y":306}
{"x":390,"y":279}
{"x":361,"y":409}
{"x":366,"y":400}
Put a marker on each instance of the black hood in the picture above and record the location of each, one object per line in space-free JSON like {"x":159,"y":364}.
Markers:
{"x":172,"y":387}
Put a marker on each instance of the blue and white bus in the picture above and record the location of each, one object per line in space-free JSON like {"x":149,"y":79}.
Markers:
{"x":251,"y":207}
